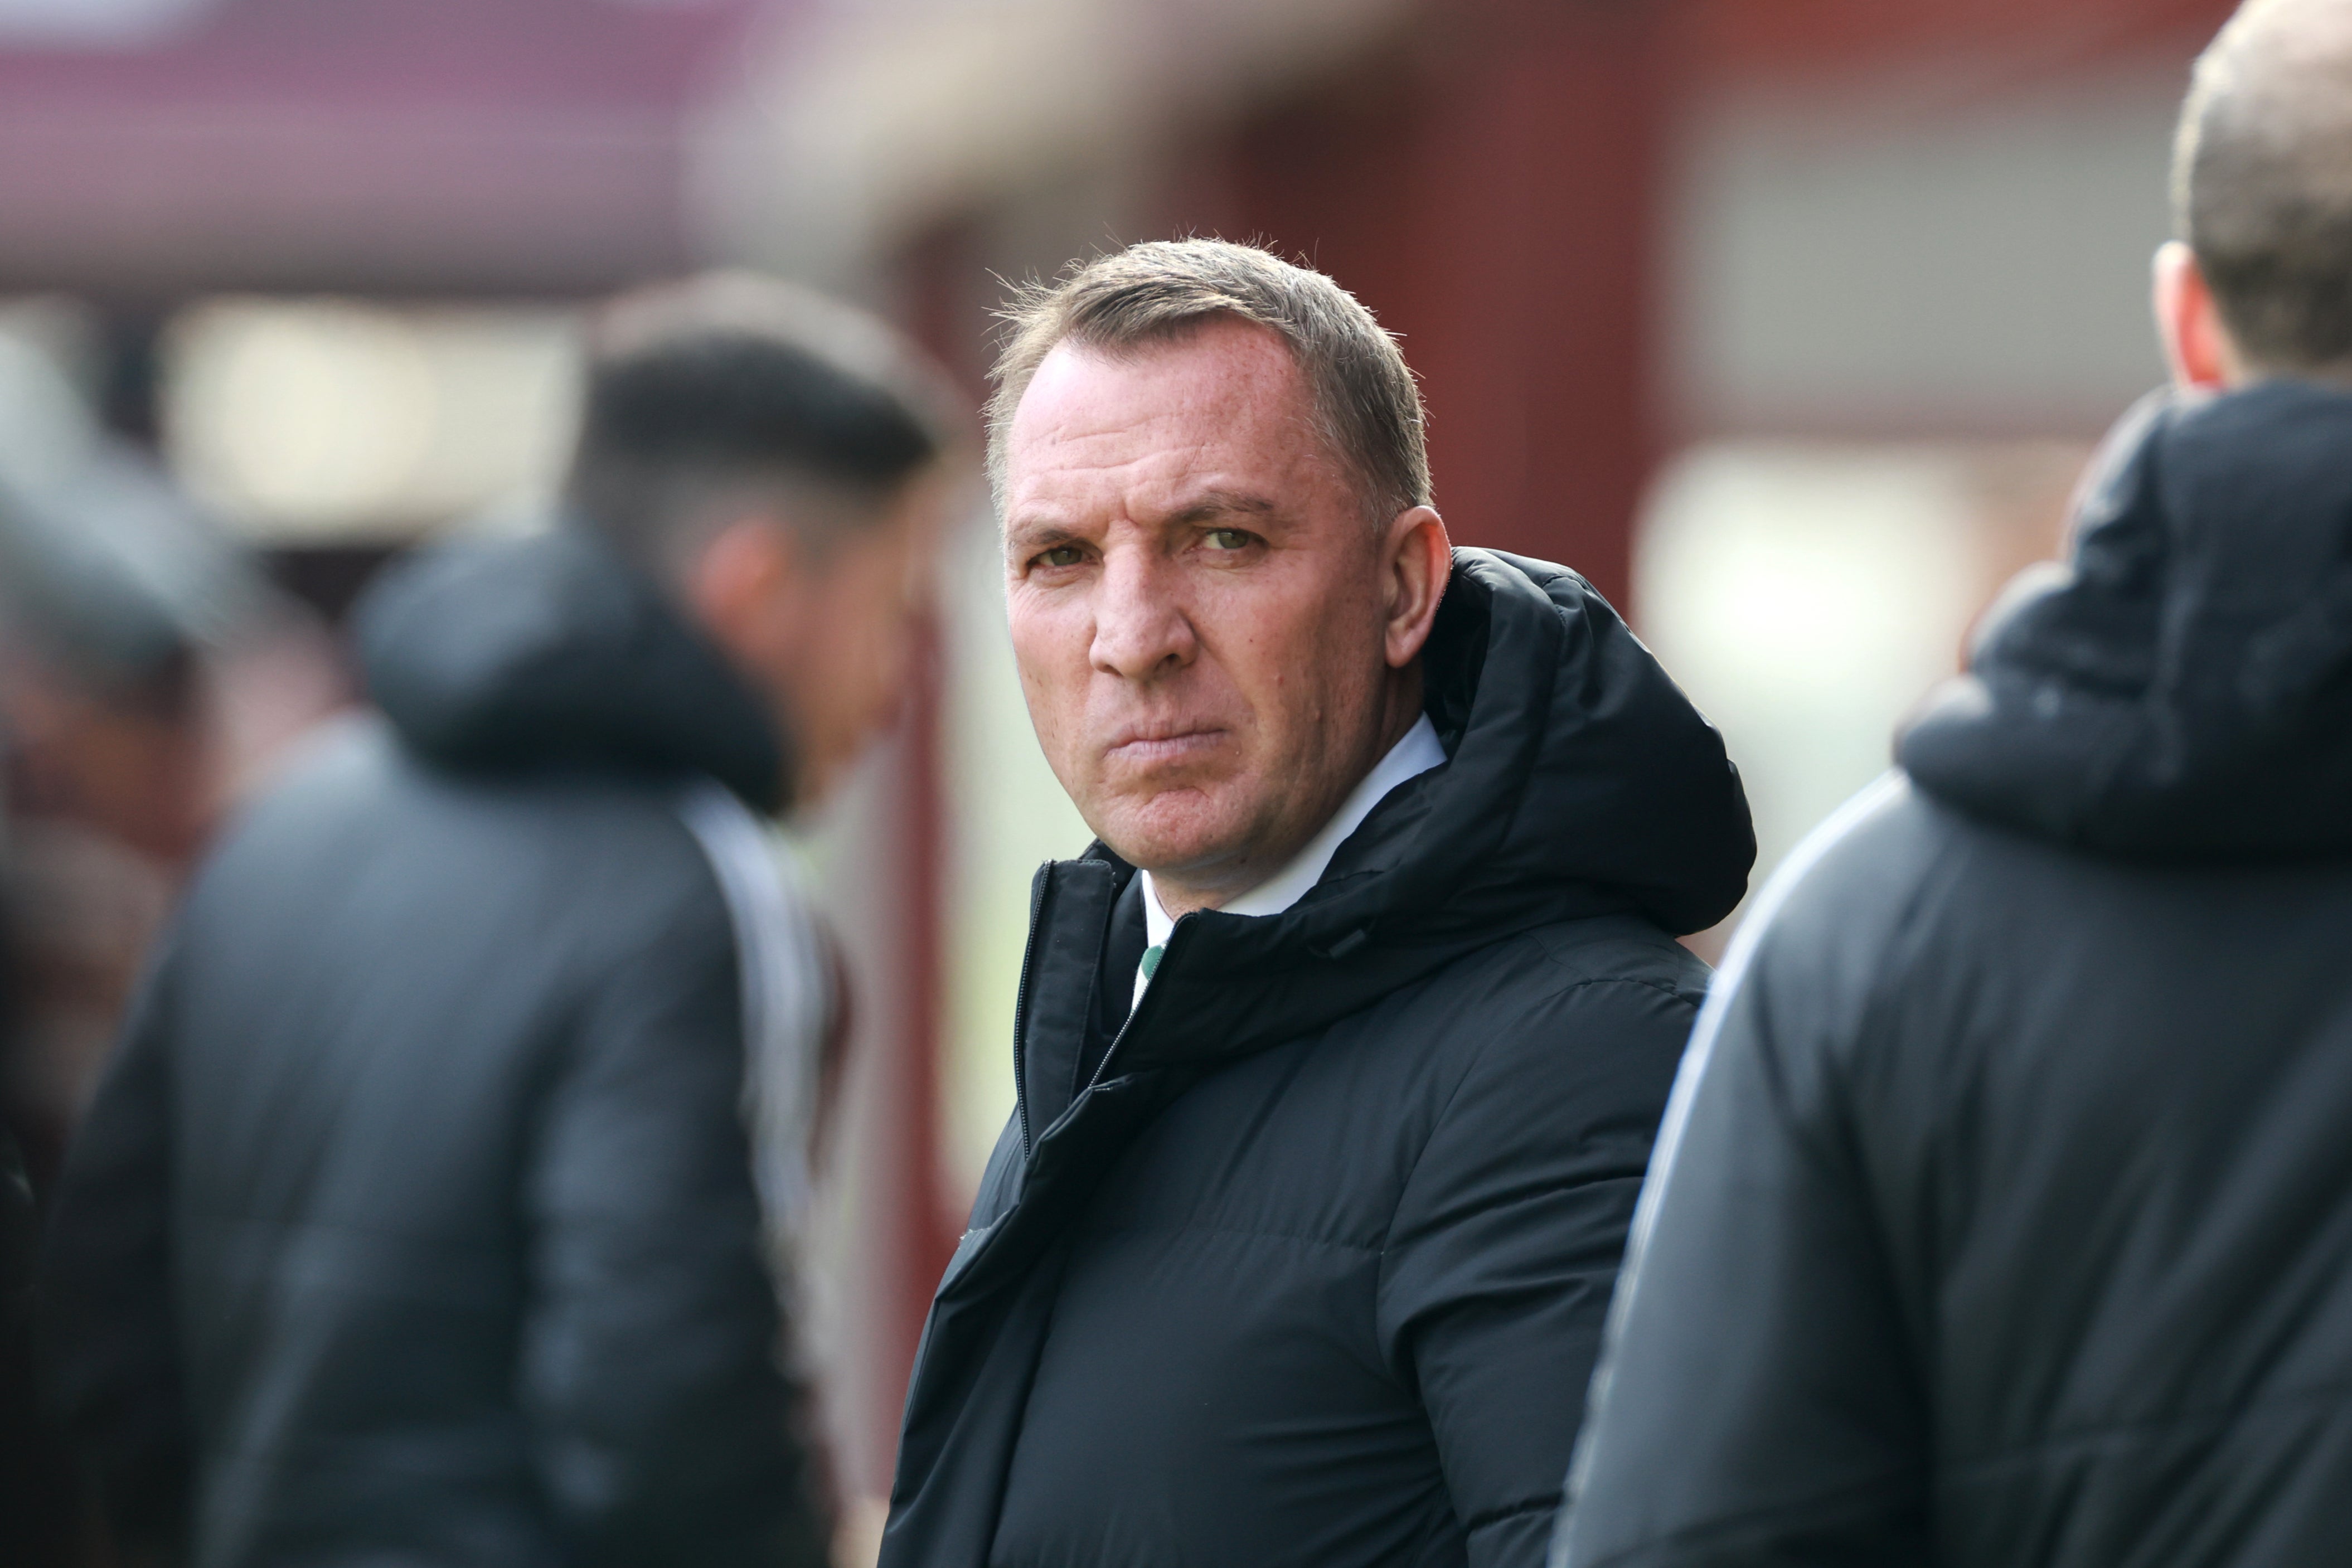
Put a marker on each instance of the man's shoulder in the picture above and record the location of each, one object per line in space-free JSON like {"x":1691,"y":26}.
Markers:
{"x":358,"y":765}
{"x":1542,"y":968}
{"x":1617,"y":949}
{"x":1884,"y":904}
{"x":1558,"y":1018}
{"x":1889,"y":873}
{"x":1603,"y":994}
{"x":1875,"y":848}
{"x":357,"y":797}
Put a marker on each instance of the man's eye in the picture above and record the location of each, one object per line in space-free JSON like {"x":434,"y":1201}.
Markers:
{"x":1061,"y":555}
{"x":1228,"y":539}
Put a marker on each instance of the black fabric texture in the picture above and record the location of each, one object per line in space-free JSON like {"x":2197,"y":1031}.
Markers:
{"x":2006,"y":1214}
{"x":414,"y":1220}
{"x":1295,"y":1274}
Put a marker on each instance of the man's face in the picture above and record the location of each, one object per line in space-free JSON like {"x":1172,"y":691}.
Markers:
{"x":1197,"y":601}
{"x":859,"y":614}
{"x":826,"y":630}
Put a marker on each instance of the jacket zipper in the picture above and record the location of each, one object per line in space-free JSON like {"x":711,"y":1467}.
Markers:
{"x":1166,"y":953}
{"x":1021,"y":1013}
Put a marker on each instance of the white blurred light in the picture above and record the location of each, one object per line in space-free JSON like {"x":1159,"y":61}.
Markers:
{"x":1806,"y":596}
{"x":312,"y":414}
{"x":1007,"y":813}
{"x":326,"y":419}
{"x":95,"y":22}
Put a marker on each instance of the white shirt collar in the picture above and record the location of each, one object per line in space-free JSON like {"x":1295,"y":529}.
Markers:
{"x":1416,"y":754}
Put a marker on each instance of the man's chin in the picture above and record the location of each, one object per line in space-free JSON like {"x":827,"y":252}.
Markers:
{"x":1172,"y":836}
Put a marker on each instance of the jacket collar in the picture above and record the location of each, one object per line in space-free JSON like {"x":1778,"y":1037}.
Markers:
{"x":553,"y":651}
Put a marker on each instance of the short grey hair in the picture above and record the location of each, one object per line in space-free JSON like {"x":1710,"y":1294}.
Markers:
{"x":1367,"y":404}
{"x":2263,"y":181}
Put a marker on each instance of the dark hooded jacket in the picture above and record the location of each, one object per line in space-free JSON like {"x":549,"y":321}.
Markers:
{"x":2005,"y":1212}
{"x":1288,"y":1267}
{"x":415,"y":1221}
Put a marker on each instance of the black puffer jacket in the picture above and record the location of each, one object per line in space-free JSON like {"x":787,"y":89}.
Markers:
{"x":1290,"y":1278}
{"x":2005,"y":1216}
{"x":415,"y":1221}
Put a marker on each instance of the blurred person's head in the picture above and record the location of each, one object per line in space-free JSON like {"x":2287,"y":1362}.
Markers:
{"x":2258,"y":283}
{"x":123,"y":611}
{"x":1221,"y":558}
{"x":127,"y":760}
{"x":776,"y":461}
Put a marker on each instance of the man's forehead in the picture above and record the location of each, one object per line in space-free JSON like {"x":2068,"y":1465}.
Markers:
{"x":1226,"y":368}
{"x":1228,"y":393}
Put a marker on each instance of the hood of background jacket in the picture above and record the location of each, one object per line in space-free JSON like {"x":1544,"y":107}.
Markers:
{"x":550,"y":652}
{"x":1579,"y":782}
{"x":2181,"y":690}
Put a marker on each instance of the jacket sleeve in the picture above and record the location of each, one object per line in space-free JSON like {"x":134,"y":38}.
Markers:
{"x":1759,"y":1402}
{"x":1503,"y":1250}
{"x":103,"y":1303}
{"x":651,"y":1342}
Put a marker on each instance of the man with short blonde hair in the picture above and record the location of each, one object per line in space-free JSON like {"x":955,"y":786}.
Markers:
{"x":1340,"y":1053}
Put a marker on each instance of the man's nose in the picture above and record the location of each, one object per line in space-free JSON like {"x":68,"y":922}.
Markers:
{"x":1141,"y":630}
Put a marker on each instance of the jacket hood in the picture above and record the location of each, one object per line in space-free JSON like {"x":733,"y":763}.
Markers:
{"x":2181,"y":689}
{"x":552,"y":651}
{"x":1579,"y":782}
{"x":1574,"y":762}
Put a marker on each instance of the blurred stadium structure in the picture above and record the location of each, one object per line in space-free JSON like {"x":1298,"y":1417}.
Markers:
{"x":1786,"y":321}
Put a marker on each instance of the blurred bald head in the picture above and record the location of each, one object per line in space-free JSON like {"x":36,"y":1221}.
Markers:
{"x":2263,"y":182}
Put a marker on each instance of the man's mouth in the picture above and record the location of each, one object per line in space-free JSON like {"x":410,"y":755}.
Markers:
{"x":1148,"y":745}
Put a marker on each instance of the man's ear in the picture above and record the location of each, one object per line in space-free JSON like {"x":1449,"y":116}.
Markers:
{"x":738,"y":578}
{"x":1419,"y":561}
{"x":2197,"y":346}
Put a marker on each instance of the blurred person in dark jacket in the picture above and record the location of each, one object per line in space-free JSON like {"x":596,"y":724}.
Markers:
{"x":2004,"y":1215}
{"x":1340,"y":1055}
{"x":126,"y":617}
{"x":131,"y":628}
{"x":417,"y":1219}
